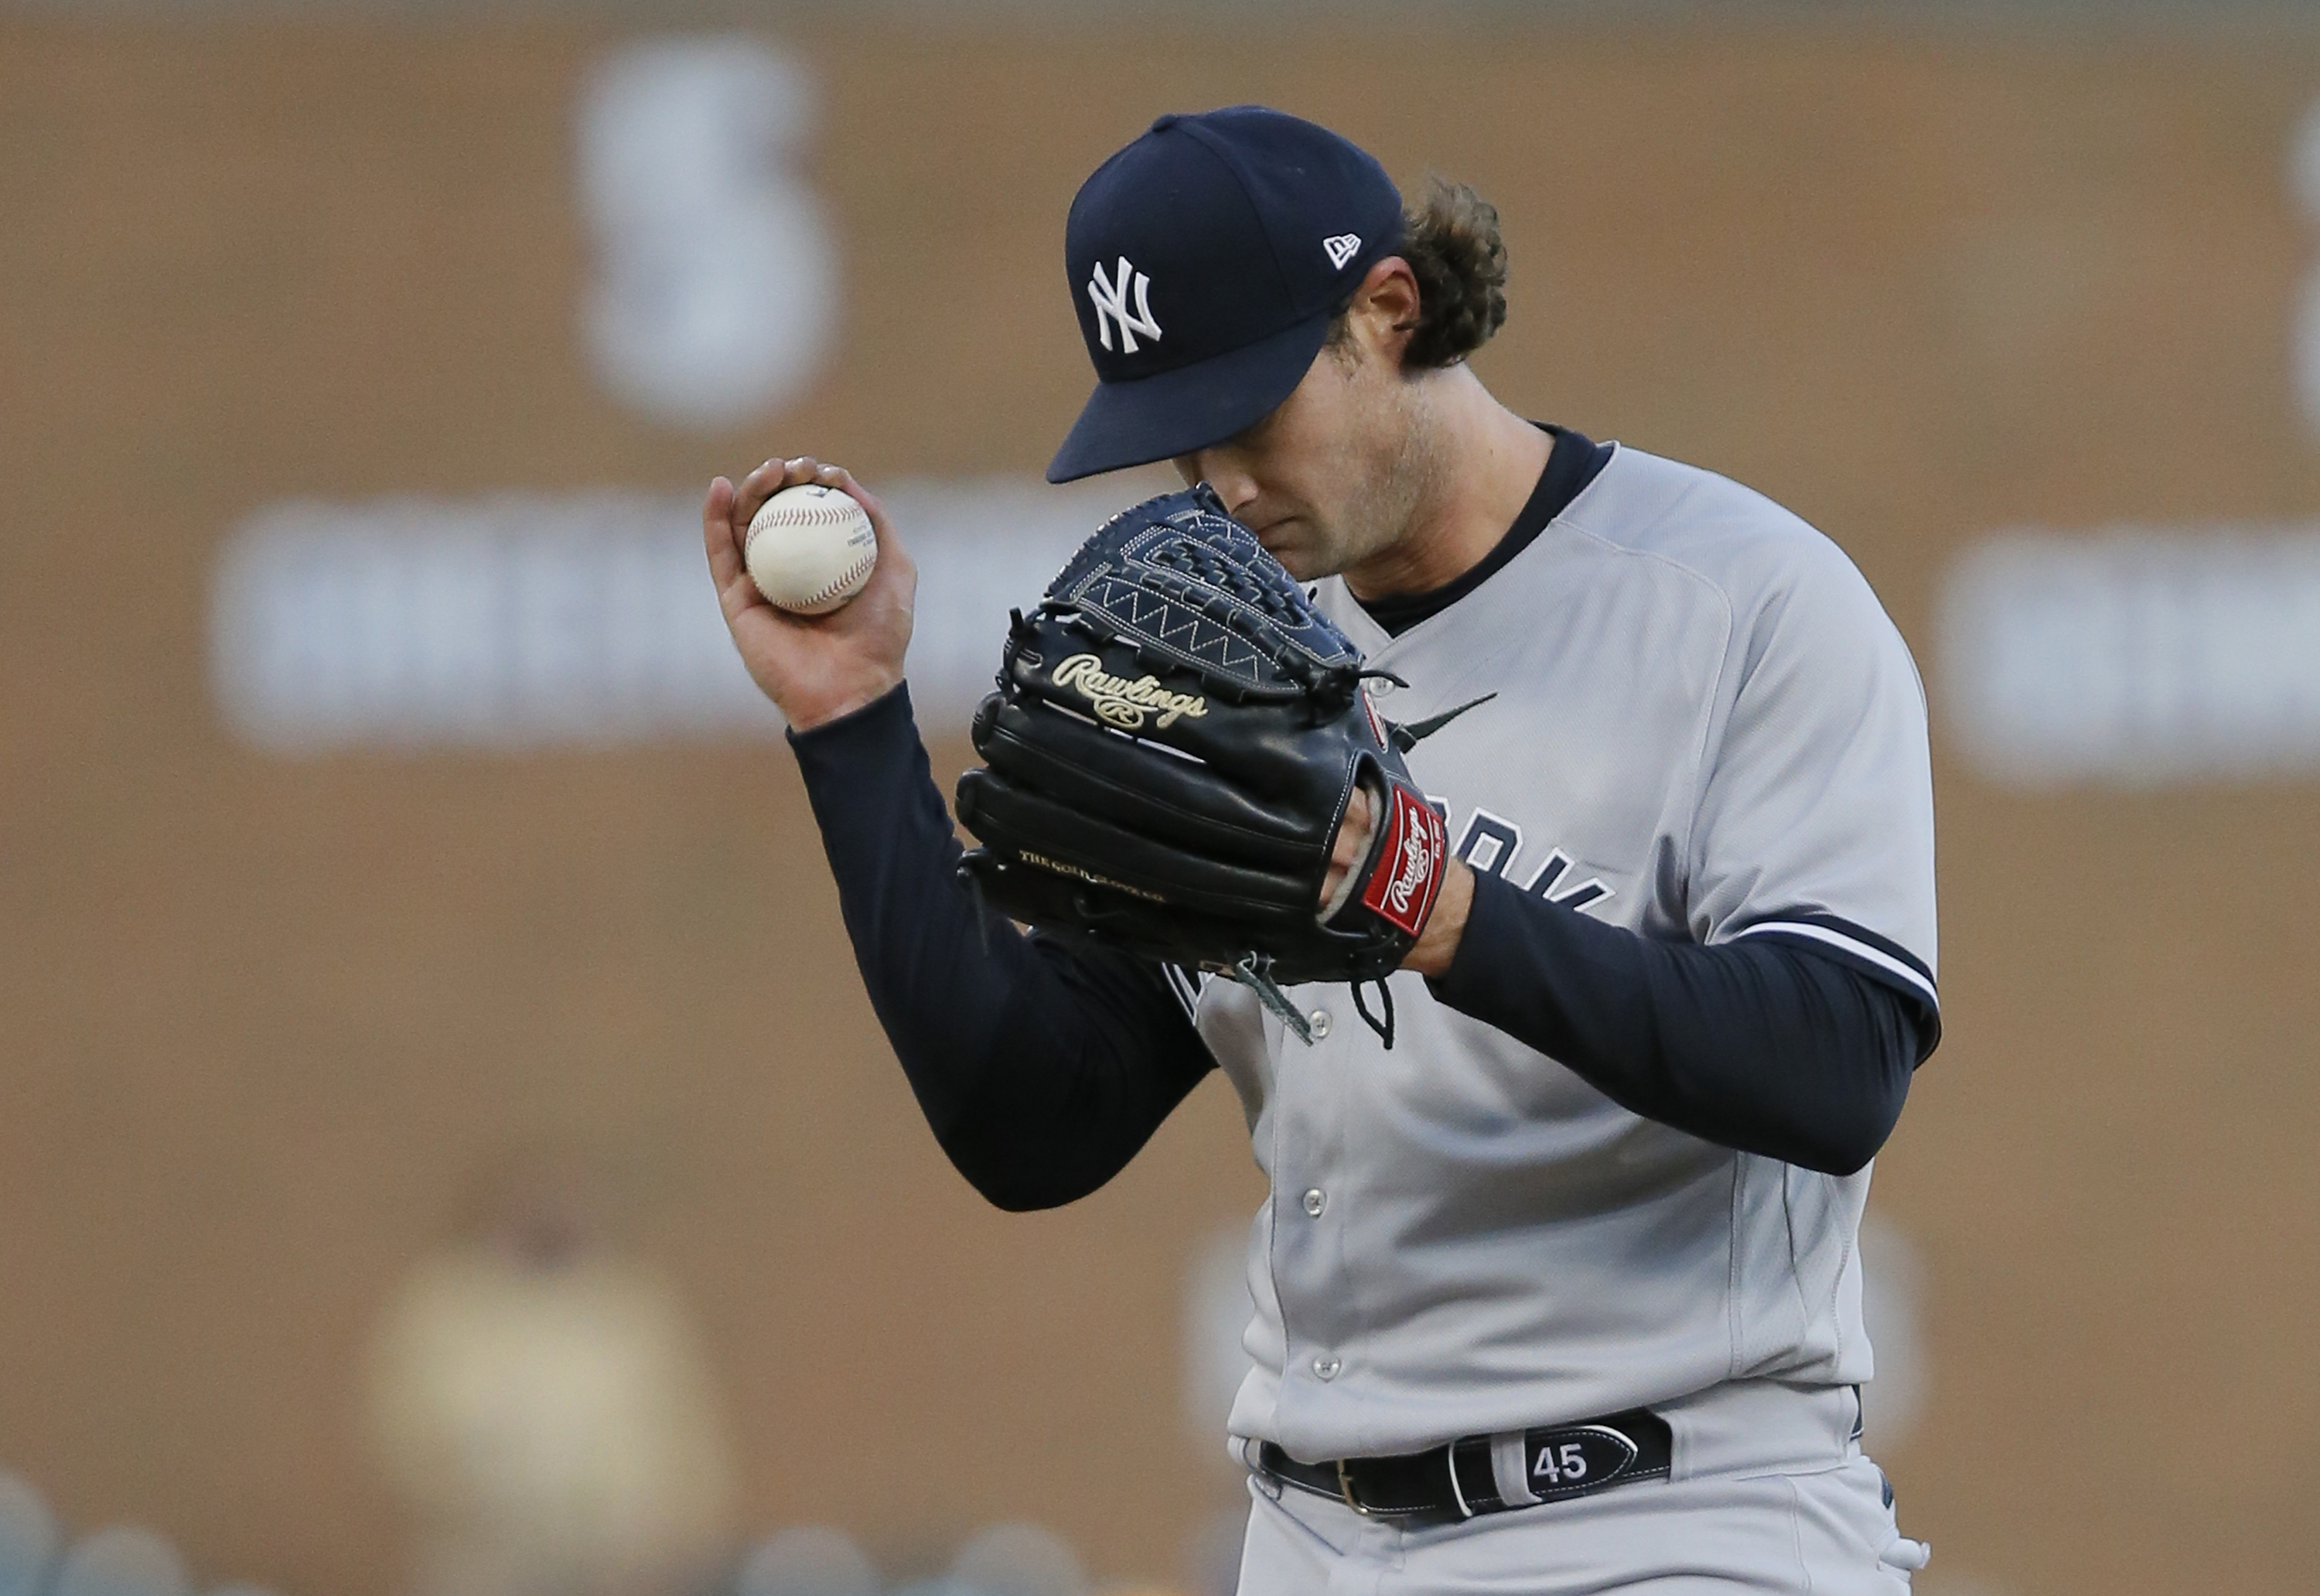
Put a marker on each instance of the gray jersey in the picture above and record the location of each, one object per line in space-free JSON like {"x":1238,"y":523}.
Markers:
{"x":1705,"y":727}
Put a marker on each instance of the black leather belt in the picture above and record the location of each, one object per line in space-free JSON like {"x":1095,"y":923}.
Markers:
{"x":1457,"y":1482}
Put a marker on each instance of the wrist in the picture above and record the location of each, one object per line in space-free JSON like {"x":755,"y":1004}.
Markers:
{"x":831,"y":703}
{"x":1438,"y":943}
{"x":838,"y":714}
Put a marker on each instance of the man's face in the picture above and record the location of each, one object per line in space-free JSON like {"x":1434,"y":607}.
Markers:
{"x":1334,"y":476}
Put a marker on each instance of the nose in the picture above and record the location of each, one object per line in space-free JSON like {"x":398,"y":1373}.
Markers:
{"x":1233,"y":484}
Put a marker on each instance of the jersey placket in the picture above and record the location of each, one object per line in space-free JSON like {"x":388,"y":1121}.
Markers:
{"x":1311,"y":1209}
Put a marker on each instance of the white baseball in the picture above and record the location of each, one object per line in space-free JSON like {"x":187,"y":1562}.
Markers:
{"x":810,"y":549}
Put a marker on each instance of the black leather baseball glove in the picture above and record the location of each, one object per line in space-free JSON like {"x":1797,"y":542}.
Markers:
{"x":1176,"y":737}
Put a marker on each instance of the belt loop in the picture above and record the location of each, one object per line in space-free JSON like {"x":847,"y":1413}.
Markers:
{"x":1260,"y":1478}
{"x":1510,"y":1468}
{"x":1457,"y":1492}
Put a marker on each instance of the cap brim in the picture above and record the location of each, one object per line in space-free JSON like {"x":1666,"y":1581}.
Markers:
{"x":1176,"y":412}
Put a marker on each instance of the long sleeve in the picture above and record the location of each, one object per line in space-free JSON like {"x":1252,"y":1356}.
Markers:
{"x":1762,"y":1044}
{"x":1042,"y":1068}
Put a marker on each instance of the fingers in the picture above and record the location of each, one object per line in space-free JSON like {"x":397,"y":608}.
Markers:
{"x":768,"y":480}
{"x":840,"y":478}
{"x":1346,"y":851}
{"x":1352,"y":840}
{"x":752,"y":491}
{"x":718,"y":532}
{"x":890,"y":547}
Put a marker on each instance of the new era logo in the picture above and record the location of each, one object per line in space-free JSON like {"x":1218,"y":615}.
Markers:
{"x":1342,"y":248}
{"x":1110,"y":299}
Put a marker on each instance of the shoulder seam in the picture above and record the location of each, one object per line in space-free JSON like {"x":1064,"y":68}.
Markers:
{"x":1699,"y":761}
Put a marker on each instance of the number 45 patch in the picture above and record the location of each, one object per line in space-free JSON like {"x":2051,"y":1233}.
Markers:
{"x":1569,"y":1460}
{"x":1556,"y":1464}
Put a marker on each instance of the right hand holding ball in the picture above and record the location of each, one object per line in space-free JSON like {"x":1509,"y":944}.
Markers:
{"x":813,"y":585}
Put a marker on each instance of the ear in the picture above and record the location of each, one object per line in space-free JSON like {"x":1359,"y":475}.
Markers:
{"x":1383,"y":310}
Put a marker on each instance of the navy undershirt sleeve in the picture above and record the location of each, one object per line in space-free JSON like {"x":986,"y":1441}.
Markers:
{"x":1760,"y":1044}
{"x":1041,"y":1067}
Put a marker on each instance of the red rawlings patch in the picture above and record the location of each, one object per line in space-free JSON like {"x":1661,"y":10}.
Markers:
{"x":1409,"y":874}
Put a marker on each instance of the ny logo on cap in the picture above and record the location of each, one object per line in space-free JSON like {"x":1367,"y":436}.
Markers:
{"x":1111,"y":305}
{"x":1342,"y":248}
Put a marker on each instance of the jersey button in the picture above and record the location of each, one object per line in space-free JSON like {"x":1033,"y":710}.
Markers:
{"x":1320,"y":1020}
{"x":1325,"y":1367}
{"x":1316,"y":1200}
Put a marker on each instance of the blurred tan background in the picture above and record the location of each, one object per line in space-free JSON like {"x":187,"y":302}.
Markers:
{"x":267,"y":1020}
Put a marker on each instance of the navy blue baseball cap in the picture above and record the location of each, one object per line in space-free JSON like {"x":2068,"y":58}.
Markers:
{"x":1207,"y":260}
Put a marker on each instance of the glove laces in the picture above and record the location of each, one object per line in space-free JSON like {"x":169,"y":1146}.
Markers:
{"x":1255,"y":971}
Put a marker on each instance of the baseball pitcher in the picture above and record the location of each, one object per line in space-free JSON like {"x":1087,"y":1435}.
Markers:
{"x":1539,"y":833}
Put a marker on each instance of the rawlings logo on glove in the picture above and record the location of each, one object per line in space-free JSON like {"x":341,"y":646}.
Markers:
{"x":1203,"y":840}
{"x":1124,"y":702}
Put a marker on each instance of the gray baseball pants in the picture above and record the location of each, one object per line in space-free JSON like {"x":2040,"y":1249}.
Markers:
{"x":1826,"y":1532}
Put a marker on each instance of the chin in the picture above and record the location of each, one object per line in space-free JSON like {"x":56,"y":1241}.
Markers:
{"x":1297,"y":560}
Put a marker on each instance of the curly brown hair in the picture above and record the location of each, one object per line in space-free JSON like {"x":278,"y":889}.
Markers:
{"x":1450,"y":236}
